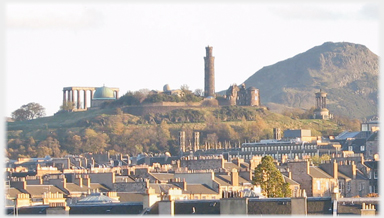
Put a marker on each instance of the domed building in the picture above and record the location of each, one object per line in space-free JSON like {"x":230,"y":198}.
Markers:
{"x":77,"y":98}
{"x":104,"y":94}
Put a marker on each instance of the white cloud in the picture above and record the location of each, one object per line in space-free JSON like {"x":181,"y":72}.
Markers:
{"x":370,"y":11}
{"x":327,"y":11}
{"x":57,"y":17}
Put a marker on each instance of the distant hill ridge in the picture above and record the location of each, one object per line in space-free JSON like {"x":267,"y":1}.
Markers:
{"x":347,"y":72}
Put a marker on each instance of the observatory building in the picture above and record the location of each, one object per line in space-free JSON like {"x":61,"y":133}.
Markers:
{"x":79,"y":97}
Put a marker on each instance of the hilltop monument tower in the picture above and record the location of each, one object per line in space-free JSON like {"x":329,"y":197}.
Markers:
{"x":321,"y":111}
{"x":209,"y":80}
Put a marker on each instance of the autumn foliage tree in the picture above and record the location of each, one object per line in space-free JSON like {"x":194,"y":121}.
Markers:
{"x":270,"y":179}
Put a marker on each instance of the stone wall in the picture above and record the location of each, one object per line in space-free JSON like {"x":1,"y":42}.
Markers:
{"x":300,"y":173}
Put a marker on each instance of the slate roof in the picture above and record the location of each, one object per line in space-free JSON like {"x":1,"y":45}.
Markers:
{"x":343,"y":176}
{"x":161,"y":187}
{"x":163,"y":176}
{"x":316,"y":172}
{"x":13,"y":192}
{"x":199,"y":189}
{"x":130,"y":197}
{"x":225,"y":180}
{"x":72,"y":187}
{"x":290,"y":181}
{"x":319,"y":206}
{"x":124,"y":178}
{"x":203,"y":207}
{"x":95,"y":209}
{"x":230,"y":165}
{"x":373,"y":137}
{"x":40,"y":189}
{"x":352,"y":206}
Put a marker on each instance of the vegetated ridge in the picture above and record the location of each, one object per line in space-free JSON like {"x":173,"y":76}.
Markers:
{"x":347,"y":72}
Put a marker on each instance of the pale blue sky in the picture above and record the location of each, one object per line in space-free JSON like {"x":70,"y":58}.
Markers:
{"x":137,"y":45}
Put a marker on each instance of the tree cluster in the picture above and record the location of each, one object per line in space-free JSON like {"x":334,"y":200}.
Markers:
{"x":28,"y":111}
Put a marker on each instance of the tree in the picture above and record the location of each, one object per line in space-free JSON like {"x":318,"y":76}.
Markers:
{"x":199,"y":92}
{"x":67,"y":106}
{"x":185,"y":88}
{"x":270,"y":179}
{"x":316,"y":159}
{"x":28,"y":111}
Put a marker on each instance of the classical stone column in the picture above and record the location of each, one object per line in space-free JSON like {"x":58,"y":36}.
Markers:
{"x":73,"y":97}
{"x":64,"y":97}
{"x":68,"y":96}
{"x":78,"y":99}
{"x":85,"y":99}
{"x":91,"y":97}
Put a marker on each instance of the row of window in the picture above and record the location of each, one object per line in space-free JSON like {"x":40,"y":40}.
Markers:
{"x":275,"y":156}
{"x":278,"y":148}
{"x":348,"y":186}
{"x":362,"y":148}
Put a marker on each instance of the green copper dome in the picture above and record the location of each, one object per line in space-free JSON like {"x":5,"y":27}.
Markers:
{"x":103,"y":93}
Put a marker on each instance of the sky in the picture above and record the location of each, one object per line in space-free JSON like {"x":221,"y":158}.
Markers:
{"x":135,"y":45}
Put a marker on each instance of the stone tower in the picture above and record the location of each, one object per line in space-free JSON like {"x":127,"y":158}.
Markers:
{"x":196,"y":141}
{"x":209,"y":80}
{"x":277,"y":133}
{"x":182,"y":142}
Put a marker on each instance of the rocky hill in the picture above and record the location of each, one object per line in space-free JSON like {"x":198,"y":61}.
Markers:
{"x":347,"y":72}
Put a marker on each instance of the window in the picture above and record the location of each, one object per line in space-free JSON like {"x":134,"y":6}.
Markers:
{"x":341,"y":186}
{"x":375,"y":174}
{"x":348,"y":186}
{"x":362,"y":148}
{"x":350,"y":148}
{"x":318,"y":185}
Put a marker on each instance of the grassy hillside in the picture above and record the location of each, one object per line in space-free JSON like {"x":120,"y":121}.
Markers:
{"x":114,"y":131}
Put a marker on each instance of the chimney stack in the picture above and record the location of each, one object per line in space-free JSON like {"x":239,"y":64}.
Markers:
{"x":78,"y":180}
{"x":353,"y":170}
{"x":234,"y":177}
{"x":335,"y":170}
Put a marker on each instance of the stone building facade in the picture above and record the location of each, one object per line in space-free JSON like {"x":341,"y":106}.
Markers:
{"x":239,"y":95}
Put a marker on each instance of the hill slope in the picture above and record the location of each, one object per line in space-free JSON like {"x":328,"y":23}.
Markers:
{"x":347,"y":72}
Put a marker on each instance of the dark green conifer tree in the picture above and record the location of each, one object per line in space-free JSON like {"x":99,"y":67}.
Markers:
{"x":270,"y":179}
